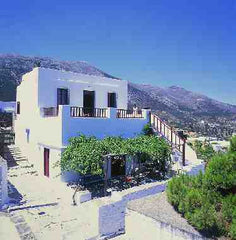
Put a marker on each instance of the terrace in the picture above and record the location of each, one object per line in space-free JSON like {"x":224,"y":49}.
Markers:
{"x":76,"y":112}
{"x":98,"y":122}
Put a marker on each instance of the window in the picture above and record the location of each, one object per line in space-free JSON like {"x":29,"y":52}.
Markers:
{"x":112,"y":100}
{"x":62,"y":96}
{"x":18,"y":107}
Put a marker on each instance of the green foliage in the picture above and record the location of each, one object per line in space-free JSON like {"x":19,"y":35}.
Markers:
{"x":204,"y":218}
{"x":147,"y":129}
{"x":221,"y":172}
{"x":233,"y":228}
{"x":85,"y":154}
{"x":232,"y":147}
{"x":208,"y":200}
{"x":229,"y":207}
{"x":204,"y":150}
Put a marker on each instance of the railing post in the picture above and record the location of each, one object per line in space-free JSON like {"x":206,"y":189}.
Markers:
{"x":183,"y":152}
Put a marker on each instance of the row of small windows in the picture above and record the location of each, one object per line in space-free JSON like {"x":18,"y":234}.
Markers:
{"x":89,"y":98}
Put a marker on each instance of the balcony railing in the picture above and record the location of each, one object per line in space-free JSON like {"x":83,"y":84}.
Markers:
{"x":169,"y":134}
{"x":88,"y":112}
{"x":122,"y":113}
{"x":50,"y":112}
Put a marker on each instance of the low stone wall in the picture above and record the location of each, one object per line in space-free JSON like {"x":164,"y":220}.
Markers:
{"x":3,"y":182}
{"x":137,"y":225}
{"x":112,"y":210}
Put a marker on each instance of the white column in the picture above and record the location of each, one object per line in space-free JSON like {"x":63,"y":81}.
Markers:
{"x":111,"y":112}
{"x":146,"y":113}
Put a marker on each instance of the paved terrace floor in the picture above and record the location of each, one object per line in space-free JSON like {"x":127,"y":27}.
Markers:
{"x":45,"y":208}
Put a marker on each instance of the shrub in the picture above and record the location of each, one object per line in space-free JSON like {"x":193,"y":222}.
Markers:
{"x":208,"y":200}
{"x":221,"y":172}
{"x":177,"y":190}
{"x":192,"y":200}
{"x":147,"y":129}
{"x":232,"y":230}
{"x":229,"y":207}
{"x":204,"y":218}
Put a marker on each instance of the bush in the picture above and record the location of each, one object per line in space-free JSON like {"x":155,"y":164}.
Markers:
{"x":229,"y":207}
{"x":208,"y":200}
{"x":204,"y":218}
{"x":147,"y":129}
{"x":232,"y":230}
{"x":221,"y":172}
{"x":177,"y":190}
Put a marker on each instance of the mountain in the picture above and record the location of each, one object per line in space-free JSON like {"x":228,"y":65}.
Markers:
{"x":12,"y":67}
{"x":177,"y":99}
{"x":174,"y":104}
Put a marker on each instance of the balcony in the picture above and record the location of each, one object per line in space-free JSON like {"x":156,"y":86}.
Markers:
{"x":49,"y":112}
{"x":88,"y":112}
{"x":80,"y":112}
{"x":69,"y":121}
{"x":122,"y":113}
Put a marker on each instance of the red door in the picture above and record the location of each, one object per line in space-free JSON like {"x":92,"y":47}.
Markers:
{"x":46,"y":162}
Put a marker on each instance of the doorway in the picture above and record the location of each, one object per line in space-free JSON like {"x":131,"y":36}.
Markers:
{"x":118,"y":166}
{"x":111,"y":99}
{"x":89,"y":102}
{"x":46,"y":162}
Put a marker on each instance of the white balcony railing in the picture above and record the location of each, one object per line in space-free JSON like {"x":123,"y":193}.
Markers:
{"x":76,"y":112}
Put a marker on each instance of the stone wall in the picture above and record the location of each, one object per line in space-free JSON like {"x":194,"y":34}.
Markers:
{"x":137,"y":225}
{"x":112,"y":210}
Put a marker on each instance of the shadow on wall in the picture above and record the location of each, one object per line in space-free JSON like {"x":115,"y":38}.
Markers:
{"x":15,"y":197}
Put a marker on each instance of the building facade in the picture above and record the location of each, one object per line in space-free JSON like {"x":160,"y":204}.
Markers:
{"x":53,"y":105}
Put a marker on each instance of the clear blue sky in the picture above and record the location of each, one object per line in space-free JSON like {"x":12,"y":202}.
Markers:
{"x":189,"y":43}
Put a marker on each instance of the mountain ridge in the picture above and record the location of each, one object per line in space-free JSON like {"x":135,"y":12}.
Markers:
{"x":174,"y":103}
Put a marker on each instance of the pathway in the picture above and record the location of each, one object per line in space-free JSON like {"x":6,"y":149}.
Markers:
{"x":46,"y":205}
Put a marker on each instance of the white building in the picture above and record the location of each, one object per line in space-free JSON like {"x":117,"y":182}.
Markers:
{"x":53,"y":106}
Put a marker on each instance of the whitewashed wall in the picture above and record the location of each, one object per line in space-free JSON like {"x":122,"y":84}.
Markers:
{"x":139,"y":227}
{"x":50,"y":80}
{"x":101,"y":127}
{"x":3,"y":182}
{"x":112,"y":213}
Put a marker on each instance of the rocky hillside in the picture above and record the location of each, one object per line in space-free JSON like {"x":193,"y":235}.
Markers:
{"x":12,"y":67}
{"x":174,"y":104}
{"x":177,"y":100}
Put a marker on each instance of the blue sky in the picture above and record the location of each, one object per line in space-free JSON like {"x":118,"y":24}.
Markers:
{"x":188,"y":43}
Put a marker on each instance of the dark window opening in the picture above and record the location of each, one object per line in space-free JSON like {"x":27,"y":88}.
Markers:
{"x":117,"y":166}
{"x":62,"y":96}
{"x":112,"y":100}
{"x":18,"y":108}
{"x":89,"y":102}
